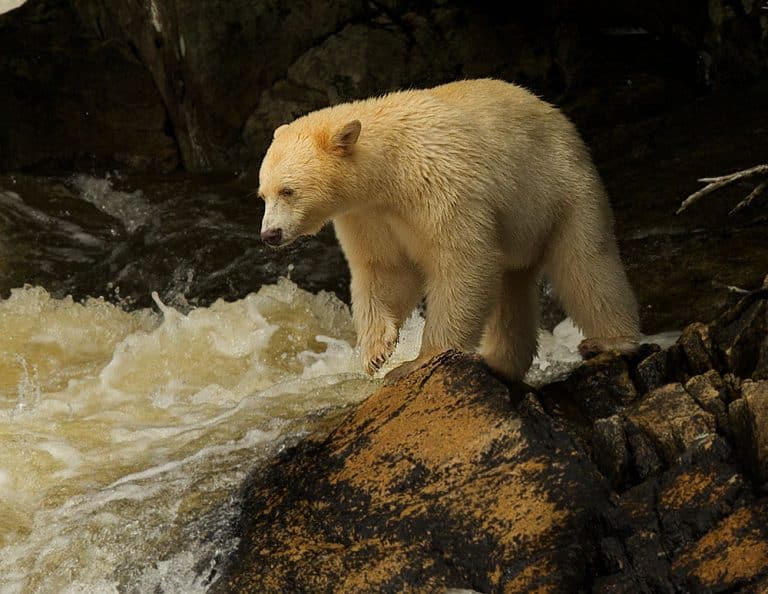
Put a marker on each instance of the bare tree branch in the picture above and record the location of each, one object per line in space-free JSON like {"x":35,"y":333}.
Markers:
{"x":715,"y":183}
{"x":748,"y":200}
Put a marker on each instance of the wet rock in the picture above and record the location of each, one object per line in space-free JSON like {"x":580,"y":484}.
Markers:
{"x":740,"y":334}
{"x":749,"y":425}
{"x":595,"y":390}
{"x":728,"y":556}
{"x":696,"y":493}
{"x":613,"y":555}
{"x":610,"y":450}
{"x":666,"y":514}
{"x":711,"y":393}
{"x":761,"y":366}
{"x":644,"y":459}
{"x":649,"y":564}
{"x":672,"y":421}
{"x":659,"y":368}
{"x":698,"y":349}
{"x":451,"y":478}
{"x":434,"y":482}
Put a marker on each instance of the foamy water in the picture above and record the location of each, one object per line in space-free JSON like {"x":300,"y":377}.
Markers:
{"x":130,"y":208}
{"x":124,"y":436}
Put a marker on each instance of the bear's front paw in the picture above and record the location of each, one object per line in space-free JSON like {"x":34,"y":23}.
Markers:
{"x":375,"y":350}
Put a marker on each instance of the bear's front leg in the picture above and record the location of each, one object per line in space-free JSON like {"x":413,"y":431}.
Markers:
{"x":459,"y":295}
{"x":383,"y":295}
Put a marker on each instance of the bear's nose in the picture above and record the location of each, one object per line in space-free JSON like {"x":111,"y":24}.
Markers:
{"x":272,"y":237}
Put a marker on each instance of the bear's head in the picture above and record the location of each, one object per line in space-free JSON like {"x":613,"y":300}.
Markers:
{"x":305,"y":178}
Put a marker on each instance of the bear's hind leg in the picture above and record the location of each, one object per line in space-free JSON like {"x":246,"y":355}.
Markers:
{"x":586,"y":272}
{"x":510,"y":337}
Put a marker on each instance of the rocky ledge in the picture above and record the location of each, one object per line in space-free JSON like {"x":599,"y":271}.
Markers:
{"x":635,"y":474}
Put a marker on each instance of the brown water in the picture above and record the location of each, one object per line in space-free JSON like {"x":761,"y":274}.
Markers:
{"x":125,"y":430}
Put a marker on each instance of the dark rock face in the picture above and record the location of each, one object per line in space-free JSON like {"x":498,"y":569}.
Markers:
{"x":635,"y":474}
{"x":211,"y":61}
{"x":749,"y":417}
{"x":70,"y":99}
{"x":229,"y":71}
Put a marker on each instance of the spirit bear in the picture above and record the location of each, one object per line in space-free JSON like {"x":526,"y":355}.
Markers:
{"x":462,"y":194}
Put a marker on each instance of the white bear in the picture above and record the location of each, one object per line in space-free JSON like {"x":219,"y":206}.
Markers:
{"x":464,"y":194}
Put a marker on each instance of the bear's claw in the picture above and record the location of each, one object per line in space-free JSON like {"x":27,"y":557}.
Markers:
{"x":376,"y":363}
{"x":376,"y":352}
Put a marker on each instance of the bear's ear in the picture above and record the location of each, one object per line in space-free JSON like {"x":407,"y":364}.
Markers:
{"x":345,"y":138}
{"x":279,"y":130}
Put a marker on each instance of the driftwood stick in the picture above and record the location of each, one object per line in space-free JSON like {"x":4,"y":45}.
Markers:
{"x":759,"y":189}
{"x":715,"y":183}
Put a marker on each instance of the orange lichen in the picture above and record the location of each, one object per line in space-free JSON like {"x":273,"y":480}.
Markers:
{"x":391,"y":559}
{"x":508,"y":504}
{"x":525,"y":581}
{"x":688,"y":487}
{"x":735,"y":550}
{"x":435,"y":430}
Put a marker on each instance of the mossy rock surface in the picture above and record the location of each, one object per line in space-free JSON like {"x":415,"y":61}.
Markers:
{"x":451,"y":478}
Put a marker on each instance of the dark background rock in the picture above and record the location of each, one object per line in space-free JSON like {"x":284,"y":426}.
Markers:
{"x":228,"y":72}
{"x":72,"y":99}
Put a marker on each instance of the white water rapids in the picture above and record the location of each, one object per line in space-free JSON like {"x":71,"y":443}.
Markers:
{"x":124,"y":436}
{"x":120,"y":431}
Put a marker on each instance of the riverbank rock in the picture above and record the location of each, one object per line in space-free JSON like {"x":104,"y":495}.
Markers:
{"x":452,"y":478}
{"x":70,"y":99}
{"x":437,"y":481}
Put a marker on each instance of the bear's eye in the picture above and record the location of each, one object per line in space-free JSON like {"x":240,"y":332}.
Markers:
{"x":286,"y":192}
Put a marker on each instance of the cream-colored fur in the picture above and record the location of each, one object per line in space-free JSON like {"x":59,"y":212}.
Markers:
{"x":462,"y":193}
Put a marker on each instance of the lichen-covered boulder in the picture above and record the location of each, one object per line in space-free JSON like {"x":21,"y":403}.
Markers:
{"x":438,"y":481}
{"x":626,"y":477}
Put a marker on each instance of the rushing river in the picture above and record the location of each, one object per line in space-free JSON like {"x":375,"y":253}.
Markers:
{"x":129,"y":421}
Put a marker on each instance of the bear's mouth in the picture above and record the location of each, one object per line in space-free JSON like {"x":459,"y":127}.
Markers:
{"x":284,"y":242}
